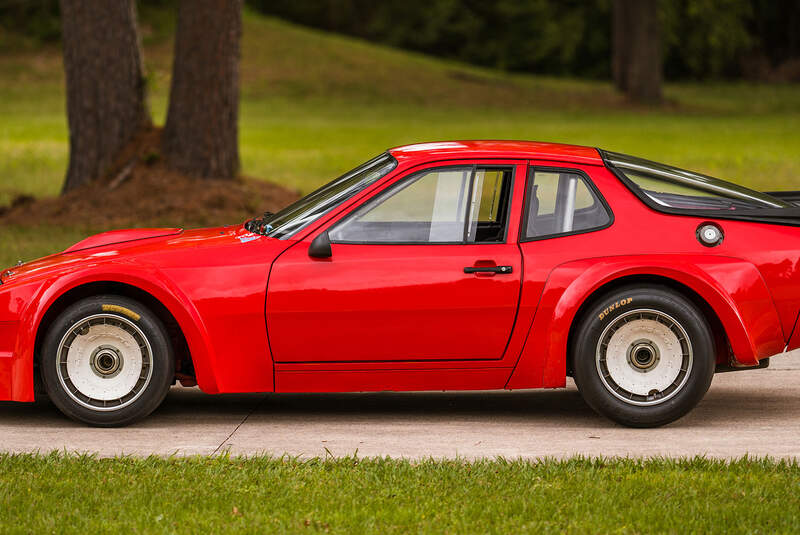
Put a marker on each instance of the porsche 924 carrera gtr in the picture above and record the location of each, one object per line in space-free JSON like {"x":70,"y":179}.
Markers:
{"x":437,"y":266}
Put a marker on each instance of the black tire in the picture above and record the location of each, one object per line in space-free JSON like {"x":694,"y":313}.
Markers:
{"x":639,"y":346}
{"x":115,"y":324}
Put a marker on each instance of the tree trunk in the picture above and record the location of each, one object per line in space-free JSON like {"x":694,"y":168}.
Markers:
{"x":201,"y":137}
{"x":619,"y":48}
{"x":637,"y":62}
{"x":106,"y":101}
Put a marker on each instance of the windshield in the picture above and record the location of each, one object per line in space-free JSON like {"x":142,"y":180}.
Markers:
{"x":301,"y":213}
{"x":670,"y":187}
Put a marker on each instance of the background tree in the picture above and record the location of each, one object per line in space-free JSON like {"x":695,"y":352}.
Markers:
{"x":637,"y":61}
{"x":709,"y":39}
{"x":200,"y":137}
{"x":106,"y":102}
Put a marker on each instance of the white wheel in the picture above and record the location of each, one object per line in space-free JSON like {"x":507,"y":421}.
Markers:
{"x":644,"y":357}
{"x":104,"y":362}
{"x":107,"y":361}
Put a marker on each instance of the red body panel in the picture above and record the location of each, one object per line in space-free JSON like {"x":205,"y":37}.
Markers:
{"x":392,"y":380}
{"x":753,"y":335}
{"x":212,"y":281}
{"x":392,"y":303}
{"x":634,"y":246}
{"x":259,"y":314}
{"x":479,"y":150}
{"x":122,"y":236}
{"x":370,"y":304}
{"x":794,"y":340}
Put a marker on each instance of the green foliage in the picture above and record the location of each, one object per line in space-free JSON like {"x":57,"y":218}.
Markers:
{"x":776,"y":22}
{"x":705,"y":38}
{"x":315,"y":105}
{"x":702,"y":38}
{"x":84,"y":494}
{"x":533,"y":35}
{"x":33,"y":23}
{"x":37,"y":21}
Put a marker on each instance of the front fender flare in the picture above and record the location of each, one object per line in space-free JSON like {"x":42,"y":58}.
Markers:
{"x":155,"y":283}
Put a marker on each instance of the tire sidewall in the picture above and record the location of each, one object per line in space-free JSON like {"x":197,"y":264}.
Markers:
{"x":162,"y":360}
{"x":606,"y":311}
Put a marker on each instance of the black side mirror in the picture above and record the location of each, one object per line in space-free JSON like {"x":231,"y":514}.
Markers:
{"x":320,"y":247}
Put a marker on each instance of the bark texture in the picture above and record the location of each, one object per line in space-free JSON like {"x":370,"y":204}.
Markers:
{"x":201,"y":135}
{"x":106,"y":101}
{"x":619,"y":46}
{"x":637,"y":62}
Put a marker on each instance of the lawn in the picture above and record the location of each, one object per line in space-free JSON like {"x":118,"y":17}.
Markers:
{"x":315,"y":104}
{"x":72,"y":494}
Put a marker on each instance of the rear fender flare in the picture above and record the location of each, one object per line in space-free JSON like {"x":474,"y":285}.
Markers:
{"x":733,"y":288}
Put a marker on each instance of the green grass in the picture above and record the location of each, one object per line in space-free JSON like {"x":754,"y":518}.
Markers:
{"x":315,"y":104}
{"x":25,"y":243}
{"x":54,"y":493}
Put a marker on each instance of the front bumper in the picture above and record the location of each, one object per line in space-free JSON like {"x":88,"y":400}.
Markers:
{"x":8,"y":339}
{"x":17,"y":339}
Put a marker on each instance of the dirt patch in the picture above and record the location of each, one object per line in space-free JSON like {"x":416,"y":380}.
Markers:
{"x":140,"y":191}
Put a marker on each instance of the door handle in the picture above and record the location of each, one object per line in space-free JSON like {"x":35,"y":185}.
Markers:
{"x":502,"y":270}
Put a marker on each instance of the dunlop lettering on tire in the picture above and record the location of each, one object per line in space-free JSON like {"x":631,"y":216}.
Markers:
{"x":614,"y":306}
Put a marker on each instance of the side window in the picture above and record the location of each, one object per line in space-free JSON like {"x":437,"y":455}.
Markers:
{"x":444,"y":205}
{"x":489,"y":205}
{"x":562,"y":202}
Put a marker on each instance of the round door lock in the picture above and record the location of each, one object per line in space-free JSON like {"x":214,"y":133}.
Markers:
{"x":710,"y":235}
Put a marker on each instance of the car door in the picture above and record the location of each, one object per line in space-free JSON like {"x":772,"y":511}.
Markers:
{"x":427,"y":269}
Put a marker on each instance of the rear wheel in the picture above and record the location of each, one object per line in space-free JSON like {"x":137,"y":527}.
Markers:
{"x":643,"y":356}
{"x":106,"y":361}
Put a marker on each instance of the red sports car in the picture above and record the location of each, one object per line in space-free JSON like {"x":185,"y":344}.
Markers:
{"x":438,"y":266}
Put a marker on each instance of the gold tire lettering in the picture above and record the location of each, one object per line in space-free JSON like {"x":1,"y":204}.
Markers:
{"x":122,"y":310}
{"x":616,"y":305}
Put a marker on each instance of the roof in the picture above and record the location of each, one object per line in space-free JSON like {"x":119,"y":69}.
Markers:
{"x":498,"y":149}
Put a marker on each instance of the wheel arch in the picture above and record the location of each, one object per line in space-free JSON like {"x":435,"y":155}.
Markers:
{"x":719,"y":334}
{"x":155,"y":290}
{"x":184,"y":365}
{"x":730,"y":292}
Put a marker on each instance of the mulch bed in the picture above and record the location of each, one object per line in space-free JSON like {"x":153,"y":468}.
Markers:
{"x":141,"y":191}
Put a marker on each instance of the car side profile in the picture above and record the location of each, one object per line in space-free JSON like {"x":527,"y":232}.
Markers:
{"x":461,"y":265}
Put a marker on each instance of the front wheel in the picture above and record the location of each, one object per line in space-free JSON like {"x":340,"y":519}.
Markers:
{"x":643,"y":356}
{"x":106,"y":361}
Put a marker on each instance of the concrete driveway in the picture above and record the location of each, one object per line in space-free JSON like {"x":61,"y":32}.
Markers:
{"x":752,"y":412}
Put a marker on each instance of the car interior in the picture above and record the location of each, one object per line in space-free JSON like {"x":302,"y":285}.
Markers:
{"x":432,"y":208}
{"x":562,"y":203}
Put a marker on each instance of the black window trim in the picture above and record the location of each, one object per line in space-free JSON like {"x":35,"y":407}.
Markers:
{"x":532,"y":170}
{"x":390,"y":158}
{"x":416,"y":173}
{"x":775,"y":216}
